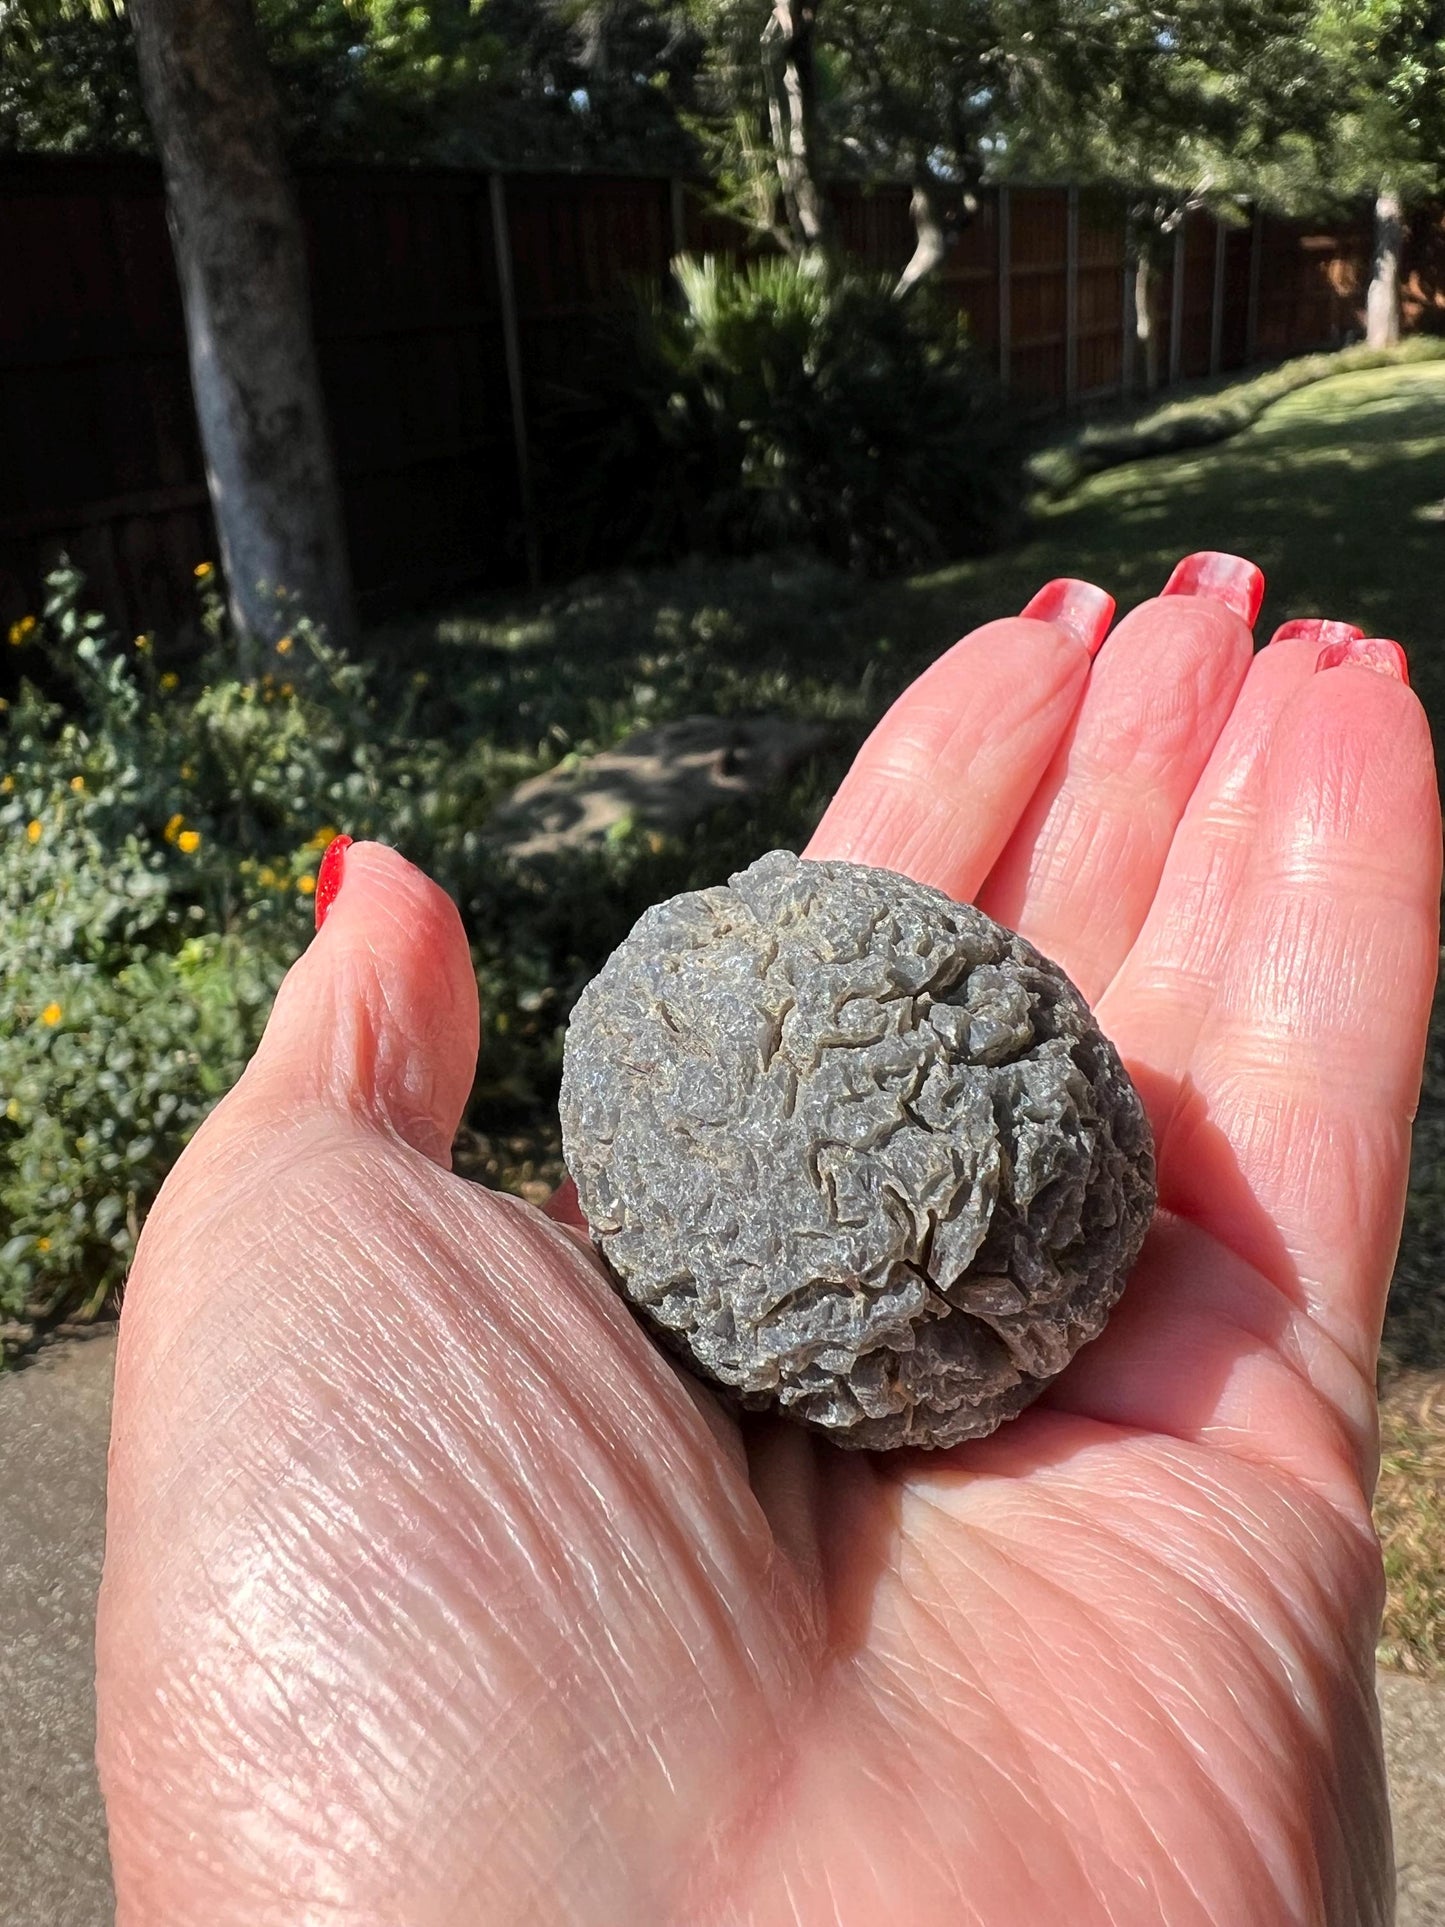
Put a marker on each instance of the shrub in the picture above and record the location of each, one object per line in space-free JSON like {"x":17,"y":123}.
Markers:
{"x":158,"y":851}
{"x":772,"y":406}
{"x":160,"y":832}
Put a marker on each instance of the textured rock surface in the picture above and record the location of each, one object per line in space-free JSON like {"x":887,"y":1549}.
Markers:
{"x":855,"y":1149}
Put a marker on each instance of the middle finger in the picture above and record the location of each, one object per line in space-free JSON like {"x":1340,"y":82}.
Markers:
{"x":1079,"y":873}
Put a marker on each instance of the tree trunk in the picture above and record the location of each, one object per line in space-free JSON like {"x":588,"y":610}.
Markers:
{"x":1382,"y":304}
{"x":794,"y":110}
{"x":932,"y":228}
{"x":939,"y":216}
{"x":240,"y":255}
{"x":1145,"y":333}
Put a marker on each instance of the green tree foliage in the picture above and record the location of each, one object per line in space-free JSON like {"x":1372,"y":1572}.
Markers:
{"x":1386,"y":61}
{"x":596,"y":83}
{"x":793,"y":96}
{"x":68,"y":80}
{"x":1193,"y":104}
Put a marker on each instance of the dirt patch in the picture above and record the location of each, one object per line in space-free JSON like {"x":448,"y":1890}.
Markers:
{"x":662,"y":780}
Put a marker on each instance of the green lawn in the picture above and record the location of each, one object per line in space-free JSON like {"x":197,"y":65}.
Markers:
{"x":1336,"y":492}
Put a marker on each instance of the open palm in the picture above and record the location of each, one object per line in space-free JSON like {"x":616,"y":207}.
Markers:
{"x":435,"y":1594}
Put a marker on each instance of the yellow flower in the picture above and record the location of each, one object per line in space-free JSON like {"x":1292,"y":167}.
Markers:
{"x":283,"y":647}
{"x":142,"y":643}
{"x":12,"y":1110}
{"x":287,"y":689}
{"x":7,"y":785}
{"x":173,"y":828}
{"x":186,"y":772}
{"x":306,"y":885}
{"x":51,"y":1015}
{"x":34,"y":829}
{"x":170,"y":680}
{"x":77,"y":783}
{"x":267,"y":877}
{"x":42,"y":1244}
{"x":189,"y":841}
{"x":21,"y":631}
{"x":323,"y":838}
{"x":202,"y":570}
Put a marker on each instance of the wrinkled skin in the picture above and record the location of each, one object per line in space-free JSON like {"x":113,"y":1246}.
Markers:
{"x":434,"y":1594}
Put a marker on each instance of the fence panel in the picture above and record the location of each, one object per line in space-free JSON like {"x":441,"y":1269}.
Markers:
{"x":969,"y":274}
{"x":1423,"y":282}
{"x":1310,"y":286}
{"x":99,"y":452}
{"x":1234,"y":342}
{"x":874,"y":225}
{"x":409,"y":338}
{"x":1196,"y":314}
{"x":1099,"y":304}
{"x":1038,"y":293}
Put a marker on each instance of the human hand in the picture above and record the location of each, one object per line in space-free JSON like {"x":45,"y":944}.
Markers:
{"x":435,"y":1594}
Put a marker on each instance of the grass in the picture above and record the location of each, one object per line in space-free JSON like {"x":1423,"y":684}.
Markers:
{"x":1203,"y":412}
{"x":1410,"y":1518}
{"x":1336,"y":490}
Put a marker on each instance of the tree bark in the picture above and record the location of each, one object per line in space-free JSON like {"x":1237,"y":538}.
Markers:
{"x":1145,"y":332}
{"x":794,"y":111}
{"x":931,"y":227}
{"x":240,"y":254}
{"x":940,"y":213}
{"x":1382,"y":303}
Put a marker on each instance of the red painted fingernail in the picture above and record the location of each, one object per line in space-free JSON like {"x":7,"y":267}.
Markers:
{"x":1367,"y":652}
{"x":1316,"y":629}
{"x":1229,"y":579}
{"x":1084,"y":611}
{"x":330,"y":876}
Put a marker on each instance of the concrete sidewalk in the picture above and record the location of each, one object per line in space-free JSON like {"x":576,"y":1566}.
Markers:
{"x":54,"y":1422}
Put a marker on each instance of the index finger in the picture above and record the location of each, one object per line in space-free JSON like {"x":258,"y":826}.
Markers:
{"x":937,"y":788}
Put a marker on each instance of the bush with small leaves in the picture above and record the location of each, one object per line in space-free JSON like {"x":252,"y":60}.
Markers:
{"x":160,"y":834}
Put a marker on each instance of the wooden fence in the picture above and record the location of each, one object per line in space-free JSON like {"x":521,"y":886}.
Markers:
{"x":447,"y":302}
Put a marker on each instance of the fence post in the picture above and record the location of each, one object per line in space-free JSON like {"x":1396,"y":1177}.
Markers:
{"x":1176,"y":308}
{"x":1256,"y":262}
{"x":512,"y":351}
{"x":1005,"y":289}
{"x":1071,"y":299}
{"x":677,"y":212}
{"x":1216,"y":312}
{"x":1127,"y":326}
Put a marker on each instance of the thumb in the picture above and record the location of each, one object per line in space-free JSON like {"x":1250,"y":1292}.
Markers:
{"x":379,"y":1017}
